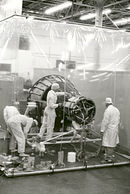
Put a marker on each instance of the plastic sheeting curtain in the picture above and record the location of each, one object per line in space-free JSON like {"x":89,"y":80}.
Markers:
{"x":96,"y":60}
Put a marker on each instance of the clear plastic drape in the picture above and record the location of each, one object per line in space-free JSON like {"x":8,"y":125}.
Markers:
{"x":96,"y":60}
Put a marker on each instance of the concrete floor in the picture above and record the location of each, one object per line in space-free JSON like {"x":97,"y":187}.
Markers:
{"x":112,"y":180}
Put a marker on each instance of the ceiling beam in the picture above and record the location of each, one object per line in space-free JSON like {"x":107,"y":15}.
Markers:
{"x":77,"y":14}
{"x":116,"y":3}
{"x":121,"y":11}
{"x":83,"y":5}
{"x":29,"y":1}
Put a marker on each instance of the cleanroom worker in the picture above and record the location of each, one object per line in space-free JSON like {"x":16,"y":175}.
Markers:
{"x":19,"y":125}
{"x":49,"y":112}
{"x":8,"y":112}
{"x":109,"y":129}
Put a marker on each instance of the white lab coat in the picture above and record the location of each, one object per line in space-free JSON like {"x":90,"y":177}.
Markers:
{"x":49,"y":115}
{"x":109,"y":126}
{"x":15,"y":125}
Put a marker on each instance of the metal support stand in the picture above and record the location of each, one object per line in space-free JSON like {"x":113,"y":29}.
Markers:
{"x":82,"y":153}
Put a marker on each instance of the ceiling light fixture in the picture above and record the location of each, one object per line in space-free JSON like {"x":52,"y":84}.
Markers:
{"x":88,"y":16}
{"x":128,"y":7}
{"x":58,"y":7}
{"x":106,"y":11}
{"x":93,"y":15}
{"x":122,"y":21}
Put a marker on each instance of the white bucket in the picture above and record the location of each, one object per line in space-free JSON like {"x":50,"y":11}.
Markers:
{"x":71,"y":157}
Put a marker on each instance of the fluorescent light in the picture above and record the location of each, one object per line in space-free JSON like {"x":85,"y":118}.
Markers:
{"x":123,"y":30}
{"x":128,"y":7}
{"x":106,"y":11}
{"x":58,"y":7}
{"x":122,"y":21}
{"x":93,"y":15}
{"x":88,"y":16}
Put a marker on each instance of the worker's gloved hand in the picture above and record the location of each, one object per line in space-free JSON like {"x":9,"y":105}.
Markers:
{"x":60,"y":105}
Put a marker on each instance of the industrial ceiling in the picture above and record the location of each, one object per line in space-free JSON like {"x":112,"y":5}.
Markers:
{"x":120,"y":9}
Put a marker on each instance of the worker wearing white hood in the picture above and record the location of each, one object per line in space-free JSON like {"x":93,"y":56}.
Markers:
{"x":8,"y":112}
{"x":19,"y":125}
{"x":49,"y":112}
{"x":109,"y":129}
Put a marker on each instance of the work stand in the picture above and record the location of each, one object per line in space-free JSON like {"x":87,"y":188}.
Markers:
{"x":55,"y":158}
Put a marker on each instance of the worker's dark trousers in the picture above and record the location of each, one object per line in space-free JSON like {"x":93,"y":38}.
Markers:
{"x":109,"y":152}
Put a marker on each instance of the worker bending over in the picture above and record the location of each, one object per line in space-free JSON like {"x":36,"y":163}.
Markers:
{"x":109,"y":129}
{"x":19,"y":125}
{"x":49,"y":112}
{"x":8,"y":112}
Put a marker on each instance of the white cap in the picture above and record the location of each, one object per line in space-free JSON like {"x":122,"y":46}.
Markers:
{"x":55,"y":86}
{"x":108,"y":101}
{"x":35,"y":121}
